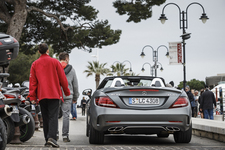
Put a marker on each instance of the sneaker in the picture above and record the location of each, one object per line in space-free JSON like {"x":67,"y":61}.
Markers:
{"x":47,"y":145}
{"x":66,"y":139}
{"x":74,"y":118}
{"x":53,"y":142}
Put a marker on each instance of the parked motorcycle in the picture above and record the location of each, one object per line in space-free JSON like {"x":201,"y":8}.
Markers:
{"x":5,"y":111}
{"x":20,"y":116}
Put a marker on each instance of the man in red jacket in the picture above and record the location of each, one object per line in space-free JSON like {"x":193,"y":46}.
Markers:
{"x":46,"y":78}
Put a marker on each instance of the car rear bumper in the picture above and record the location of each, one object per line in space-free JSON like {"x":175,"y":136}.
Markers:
{"x":141,"y":121}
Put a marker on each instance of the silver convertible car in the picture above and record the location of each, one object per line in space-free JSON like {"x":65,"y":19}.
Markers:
{"x":138,"y":105}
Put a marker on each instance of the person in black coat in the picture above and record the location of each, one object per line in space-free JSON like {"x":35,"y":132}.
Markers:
{"x":206,"y":104}
{"x":191,"y":99}
{"x":83,"y":105}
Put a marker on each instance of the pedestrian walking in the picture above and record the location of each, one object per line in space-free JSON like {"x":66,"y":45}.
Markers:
{"x":74,"y":110}
{"x":192,"y":100}
{"x":83,"y":105}
{"x":196,"y":97}
{"x":46,"y":78}
{"x":207,"y":101}
{"x":74,"y":94}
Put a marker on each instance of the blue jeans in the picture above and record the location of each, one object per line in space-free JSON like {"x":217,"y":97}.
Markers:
{"x":74,"y":110}
{"x":208,"y":114}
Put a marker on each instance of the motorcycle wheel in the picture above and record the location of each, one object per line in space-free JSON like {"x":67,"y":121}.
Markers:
{"x":10,"y":128}
{"x":27,"y":130}
{"x":3,"y":135}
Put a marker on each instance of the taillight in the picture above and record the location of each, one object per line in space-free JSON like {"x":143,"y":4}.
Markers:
{"x":1,"y":43}
{"x":105,"y":102}
{"x":180,"y":102}
{"x":15,"y":41}
{"x":9,"y":96}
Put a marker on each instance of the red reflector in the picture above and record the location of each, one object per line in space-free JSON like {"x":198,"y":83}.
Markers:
{"x":9,"y":96}
{"x":112,"y":121}
{"x":1,"y":43}
{"x":15,"y":41}
{"x":2,"y":106}
{"x":144,"y":90}
{"x":176,"y":121}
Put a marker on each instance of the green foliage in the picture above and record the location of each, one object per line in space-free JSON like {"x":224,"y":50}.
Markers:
{"x":72,"y":24}
{"x":137,"y":10}
{"x":193,"y":84}
{"x":120,"y":70}
{"x":98,"y":69}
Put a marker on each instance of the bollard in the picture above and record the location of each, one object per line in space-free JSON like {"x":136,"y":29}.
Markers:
{"x":16,"y":138}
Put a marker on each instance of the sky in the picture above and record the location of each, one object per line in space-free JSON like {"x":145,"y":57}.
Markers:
{"x":205,"y":50}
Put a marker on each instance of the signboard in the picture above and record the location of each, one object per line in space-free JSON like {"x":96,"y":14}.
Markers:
{"x":175,"y":53}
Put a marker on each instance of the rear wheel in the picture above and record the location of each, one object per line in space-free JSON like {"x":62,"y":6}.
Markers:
{"x":183,"y":136}
{"x":95,"y":137}
{"x":26,"y":130}
{"x":3,"y":135}
{"x":10,"y":128}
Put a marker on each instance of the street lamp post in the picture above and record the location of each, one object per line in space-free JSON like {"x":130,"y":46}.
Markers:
{"x":151,"y":68}
{"x":183,"y":17}
{"x":155,"y":55}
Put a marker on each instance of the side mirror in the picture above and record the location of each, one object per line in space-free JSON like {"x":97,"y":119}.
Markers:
{"x":87,"y":92}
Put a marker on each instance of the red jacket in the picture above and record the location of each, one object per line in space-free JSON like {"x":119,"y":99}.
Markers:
{"x":46,"y":78}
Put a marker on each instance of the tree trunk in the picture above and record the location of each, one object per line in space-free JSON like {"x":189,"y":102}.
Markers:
{"x":97,"y":79}
{"x":18,"y":20}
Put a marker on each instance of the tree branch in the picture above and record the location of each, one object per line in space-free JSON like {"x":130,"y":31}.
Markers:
{"x":32,"y":8}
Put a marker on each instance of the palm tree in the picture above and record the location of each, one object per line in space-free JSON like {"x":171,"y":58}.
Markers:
{"x":97,"y":69}
{"x":120,"y":70}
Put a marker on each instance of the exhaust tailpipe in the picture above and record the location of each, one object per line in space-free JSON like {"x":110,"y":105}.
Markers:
{"x":25,"y":119}
{"x":6,"y":112}
{"x":172,"y":128}
{"x":115,"y":129}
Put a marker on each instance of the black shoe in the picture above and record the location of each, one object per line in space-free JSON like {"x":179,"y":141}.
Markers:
{"x":66,"y":139}
{"x":53,"y":142}
{"x":47,"y":145}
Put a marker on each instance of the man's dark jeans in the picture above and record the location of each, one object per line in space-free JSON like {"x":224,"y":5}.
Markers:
{"x":208,"y":114}
{"x":49,"y":111}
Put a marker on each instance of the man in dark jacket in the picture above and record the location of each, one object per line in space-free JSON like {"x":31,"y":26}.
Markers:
{"x":83,"y":106}
{"x":191,"y":99}
{"x":206,"y":104}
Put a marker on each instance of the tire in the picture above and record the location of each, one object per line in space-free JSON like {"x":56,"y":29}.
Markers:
{"x":3,"y":135}
{"x":95,"y":137}
{"x":183,"y":136}
{"x":10,"y":128}
{"x":165,"y":135}
{"x":27,"y":130}
{"x":87,"y":126}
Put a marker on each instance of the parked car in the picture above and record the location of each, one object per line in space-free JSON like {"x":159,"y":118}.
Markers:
{"x":138,"y":105}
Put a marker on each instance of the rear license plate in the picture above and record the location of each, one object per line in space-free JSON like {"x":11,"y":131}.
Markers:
{"x":151,"y":101}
